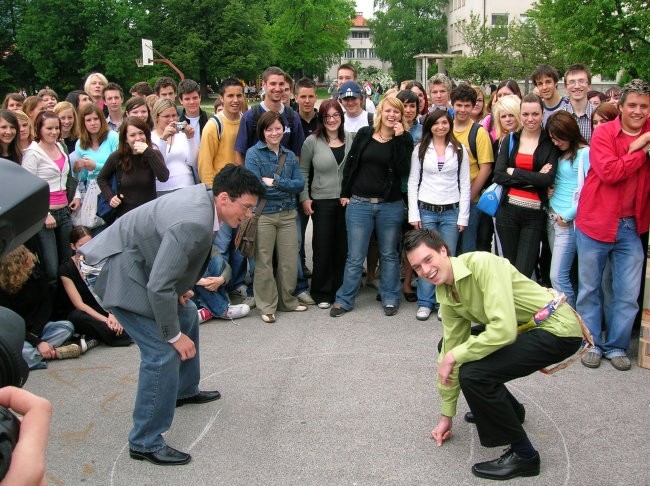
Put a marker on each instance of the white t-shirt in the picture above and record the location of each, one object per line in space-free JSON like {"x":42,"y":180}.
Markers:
{"x":353,"y":124}
{"x":194,"y":122}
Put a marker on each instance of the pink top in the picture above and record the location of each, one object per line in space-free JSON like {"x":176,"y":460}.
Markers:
{"x":59,"y":197}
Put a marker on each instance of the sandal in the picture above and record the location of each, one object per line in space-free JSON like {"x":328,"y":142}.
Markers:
{"x":268,"y":318}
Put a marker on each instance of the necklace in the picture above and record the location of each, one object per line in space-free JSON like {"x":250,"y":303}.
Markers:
{"x":381,"y":138}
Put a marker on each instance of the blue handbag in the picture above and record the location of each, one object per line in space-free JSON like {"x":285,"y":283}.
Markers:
{"x":104,"y":209}
{"x":491,"y":197}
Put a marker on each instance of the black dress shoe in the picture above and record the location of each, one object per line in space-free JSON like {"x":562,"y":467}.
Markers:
{"x":508,"y":466}
{"x":520,"y":411}
{"x":167,"y":456}
{"x":200,"y":397}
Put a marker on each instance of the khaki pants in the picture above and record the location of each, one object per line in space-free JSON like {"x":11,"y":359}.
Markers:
{"x":278,"y":232}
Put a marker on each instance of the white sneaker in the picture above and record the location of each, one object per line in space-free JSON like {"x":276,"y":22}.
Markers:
{"x":440,"y":315}
{"x":249,"y":301}
{"x":423,"y":313}
{"x":236,"y":311}
{"x":305,"y":298}
{"x":240,"y":292}
{"x":324,"y":305}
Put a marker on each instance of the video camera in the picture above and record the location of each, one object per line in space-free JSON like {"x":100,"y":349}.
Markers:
{"x":24,"y":201}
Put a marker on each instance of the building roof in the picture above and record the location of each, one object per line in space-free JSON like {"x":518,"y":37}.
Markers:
{"x":359,"y":21}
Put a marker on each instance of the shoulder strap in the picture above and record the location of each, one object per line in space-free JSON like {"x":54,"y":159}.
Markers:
{"x":371,"y":119}
{"x":511,"y":144}
{"x":472,"y":139}
{"x":217,"y":120}
{"x":290,"y":120}
{"x":257,"y":112}
{"x":459,"y":151}
{"x":283,"y":158}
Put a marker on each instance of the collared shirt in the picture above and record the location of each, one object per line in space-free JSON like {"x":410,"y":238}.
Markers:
{"x":112,"y":125}
{"x":604,"y":191}
{"x":584,"y":121}
{"x":492,"y":292}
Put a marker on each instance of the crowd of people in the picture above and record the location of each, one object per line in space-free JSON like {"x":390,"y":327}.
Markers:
{"x":574,"y":171}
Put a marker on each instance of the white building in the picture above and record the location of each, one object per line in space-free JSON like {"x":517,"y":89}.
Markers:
{"x":360,"y":48}
{"x":495,"y":12}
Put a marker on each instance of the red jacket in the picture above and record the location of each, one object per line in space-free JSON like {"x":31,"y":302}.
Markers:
{"x":602,"y":193}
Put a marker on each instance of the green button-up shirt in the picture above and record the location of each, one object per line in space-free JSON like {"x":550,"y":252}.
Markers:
{"x":491,"y":292}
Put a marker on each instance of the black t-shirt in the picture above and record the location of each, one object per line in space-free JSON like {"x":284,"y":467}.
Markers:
{"x":339,"y":153}
{"x":69,"y":269}
{"x":372,"y":178}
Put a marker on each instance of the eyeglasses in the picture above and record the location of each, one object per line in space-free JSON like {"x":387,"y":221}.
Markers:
{"x":335,"y":116}
{"x":246,"y":207}
{"x":578,"y":82}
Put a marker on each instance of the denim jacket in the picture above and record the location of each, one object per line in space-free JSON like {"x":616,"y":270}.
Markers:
{"x":282,"y":196}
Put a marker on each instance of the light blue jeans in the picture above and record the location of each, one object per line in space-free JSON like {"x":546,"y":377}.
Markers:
{"x":163,"y":376}
{"x":468,"y":236}
{"x":54,"y":333}
{"x":217,"y":302}
{"x":445,"y":223}
{"x":360,"y":219}
{"x":625,"y":256}
{"x":562,"y":240}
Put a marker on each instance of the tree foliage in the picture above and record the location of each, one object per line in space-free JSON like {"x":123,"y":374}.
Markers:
{"x":404,"y":28}
{"x":308,"y":36}
{"x":13,"y":68}
{"x":607,"y":35}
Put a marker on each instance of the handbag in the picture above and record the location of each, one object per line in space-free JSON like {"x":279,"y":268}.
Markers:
{"x":490,"y":199}
{"x":104,"y":209}
{"x":247,"y":231}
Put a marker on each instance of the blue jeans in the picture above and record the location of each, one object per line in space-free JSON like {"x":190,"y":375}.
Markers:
{"x":217,"y":302}
{"x":445,"y":223}
{"x":468,"y":236}
{"x":225,"y":243}
{"x":562,"y":240}
{"x":54,"y":244}
{"x":163,"y":376}
{"x":625,"y":256}
{"x":54,"y":333}
{"x":360,"y":219}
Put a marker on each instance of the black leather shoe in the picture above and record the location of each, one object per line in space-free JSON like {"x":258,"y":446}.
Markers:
{"x":167,"y":456}
{"x":521,"y":415}
{"x":508,"y":466}
{"x":200,"y":397}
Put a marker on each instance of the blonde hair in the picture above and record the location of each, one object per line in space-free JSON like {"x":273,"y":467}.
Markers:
{"x":160,"y":106}
{"x":22,"y":117}
{"x":395,"y":103}
{"x":65,"y":105}
{"x":479,"y":92}
{"x":14,"y":270}
{"x":511,"y":105}
{"x":101,"y":77}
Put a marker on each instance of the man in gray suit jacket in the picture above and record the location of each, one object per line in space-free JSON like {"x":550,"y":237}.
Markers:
{"x":150,"y":258}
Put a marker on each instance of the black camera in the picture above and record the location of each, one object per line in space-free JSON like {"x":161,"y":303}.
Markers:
{"x":24,"y":201}
{"x":9,"y":431}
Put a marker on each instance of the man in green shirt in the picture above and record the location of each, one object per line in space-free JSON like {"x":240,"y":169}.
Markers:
{"x":479,"y":287}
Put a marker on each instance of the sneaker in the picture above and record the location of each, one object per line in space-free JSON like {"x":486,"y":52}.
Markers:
{"x":90,"y":344}
{"x":621,"y":363}
{"x":236,"y":311}
{"x":390,"y":310}
{"x":239,"y":294}
{"x":337,"y":311}
{"x":300,"y":308}
{"x":68,"y":352}
{"x":324,"y":305}
{"x":591,"y":359}
{"x":423,"y":313}
{"x":249,"y":301}
{"x":85,"y":344}
{"x":306,"y":273}
{"x":305,"y":298}
{"x":204,"y":315}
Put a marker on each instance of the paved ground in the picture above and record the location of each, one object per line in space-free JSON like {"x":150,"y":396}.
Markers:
{"x":313,"y":400}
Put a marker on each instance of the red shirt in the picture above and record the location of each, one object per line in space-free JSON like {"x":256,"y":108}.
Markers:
{"x":610,"y":184}
{"x":524,"y":162}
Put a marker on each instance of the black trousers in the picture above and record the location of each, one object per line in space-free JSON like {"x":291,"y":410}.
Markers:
{"x":483,"y":382}
{"x":92,"y":328}
{"x":330,"y":245}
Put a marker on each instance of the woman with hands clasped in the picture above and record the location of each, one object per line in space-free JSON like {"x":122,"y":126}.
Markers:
{"x":177,"y":144}
{"x":371,"y":191}
{"x":525,"y":168}
{"x":323,"y":155}
{"x":439,"y":191}
{"x":137,"y":164}
{"x":83,"y":310}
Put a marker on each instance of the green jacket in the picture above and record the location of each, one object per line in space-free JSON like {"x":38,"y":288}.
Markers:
{"x":494,"y":293}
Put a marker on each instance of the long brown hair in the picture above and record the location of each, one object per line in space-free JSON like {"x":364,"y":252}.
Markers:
{"x":15,"y":269}
{"x":124,"y":151}
{"x":326,"y":106}
{"x":14,"y":151}
{"x":85,"y":140}
{"x":562,"y":126}
{"x":427,"y":136}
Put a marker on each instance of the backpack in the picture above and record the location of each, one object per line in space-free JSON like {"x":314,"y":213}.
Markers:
{"x":472,"y":139}
{"x":219,"y":123}
{"x":459,"y":153}
{"x":257,"y":113}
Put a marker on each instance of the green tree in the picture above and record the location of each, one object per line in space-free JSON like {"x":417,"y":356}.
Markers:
{"x":15,"y":71}
{"x":607,"y":35}
{"x":404,"y":28}
{"x":308,"y":36}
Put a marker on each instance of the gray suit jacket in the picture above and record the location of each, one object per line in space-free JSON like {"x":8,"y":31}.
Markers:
{"x":154,"y":254}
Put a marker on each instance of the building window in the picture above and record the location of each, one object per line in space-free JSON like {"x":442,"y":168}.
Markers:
{"x":360,"y":35}
{"x":500,"y":22}
{"x":349,"y":54}
{"x":371,"y":54}
{"x":362,"y":53}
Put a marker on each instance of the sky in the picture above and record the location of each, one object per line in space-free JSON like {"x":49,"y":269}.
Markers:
{"x":365,"y":6}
